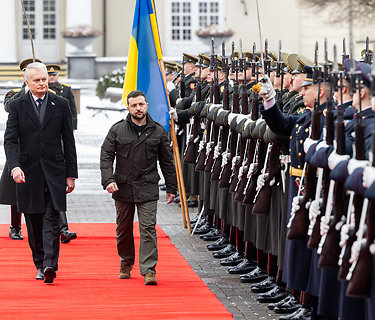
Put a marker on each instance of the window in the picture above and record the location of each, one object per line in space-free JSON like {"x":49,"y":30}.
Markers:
{"x":208,"y":13}
{"x":184,"y":18}
{"x":181,"y":20}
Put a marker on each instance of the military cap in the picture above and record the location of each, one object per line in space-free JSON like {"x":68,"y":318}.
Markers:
{"x":284,"y":58}
{"x":178,"y":67}
{"x":364,"y":71}
{"x":26,"y":62}
{"x":363,"y":55}
{"x":309,"y":76}
{"x":248,"y":58}
{"x":219,"y":64}
{"x":205,"y":60}
{"x":235,"y":55}
{"x":190,"y":58}
{"x":297,"y":62}
{"x":170,"y":67}
{"x":53,"y":68}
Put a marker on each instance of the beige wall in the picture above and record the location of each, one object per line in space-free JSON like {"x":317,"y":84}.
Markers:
{"x":296,"y":26}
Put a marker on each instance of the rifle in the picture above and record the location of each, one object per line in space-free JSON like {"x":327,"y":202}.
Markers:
{"x":241,"y":142}
{"x":214,"y":134}
{"x":329,"y":248}
{"x":361,"y":270}
{"x":299,"y":222}
{"x":280,"y":73}
{"x":262,"y":154}
{"x":224,"y":130}
{"x":251,"y":150}
{"x":368,"y":54}
{"x":226,"y":171}
{"x":190,"y":154}
{"x":344,"y":55}
{"x":344,"y":260}
{"x":182,"y":80}
{"x":329,"y":125}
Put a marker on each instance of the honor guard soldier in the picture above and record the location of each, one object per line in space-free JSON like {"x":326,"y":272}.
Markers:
{"x":62,"y":90}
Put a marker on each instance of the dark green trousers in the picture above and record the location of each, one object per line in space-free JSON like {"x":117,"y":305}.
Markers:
{"x":148,"y":251}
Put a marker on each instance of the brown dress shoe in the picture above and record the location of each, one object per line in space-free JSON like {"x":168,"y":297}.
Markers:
{"x":125,"y":272}
{"x":150,"y":279}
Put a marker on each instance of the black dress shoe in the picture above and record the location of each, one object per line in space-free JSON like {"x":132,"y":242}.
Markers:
{"x":200,"y":223}
{"x":176,"y":199}
{"x":213,"y":235}
{"x":49,"y":274}
{"x":288,"y":307}
{"x":225,"y":252}
{"x":195,"y":219}
{"x":218,"y":244}
{"x":206,"y":228}
{"x":300,"y":314}
{"x":264,"y":286}
{"x":275,"y":294}
{"x":232,"y":260}
{"x":190,"y":203}
{"x":66,"y":236}
{"x":163,"y":188}
{"x":254,"y":276}
{"x":39,"y":275}
{"x":243,"y":267}
{"x":15,"y":233}
{"x":273,"y":305}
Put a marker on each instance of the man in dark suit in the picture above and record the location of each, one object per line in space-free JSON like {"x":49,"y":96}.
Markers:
{"x":40,"y":151}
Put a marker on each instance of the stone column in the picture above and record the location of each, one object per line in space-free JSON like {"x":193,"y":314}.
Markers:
{"x":8,"y":52}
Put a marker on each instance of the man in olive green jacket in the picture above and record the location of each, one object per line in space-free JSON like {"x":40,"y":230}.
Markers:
{"x":137,"y":142}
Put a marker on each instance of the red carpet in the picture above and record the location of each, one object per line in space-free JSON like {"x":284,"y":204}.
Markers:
{"x":87,"y":284}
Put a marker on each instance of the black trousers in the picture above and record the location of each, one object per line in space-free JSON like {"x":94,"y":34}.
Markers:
{"x":44,"y":235}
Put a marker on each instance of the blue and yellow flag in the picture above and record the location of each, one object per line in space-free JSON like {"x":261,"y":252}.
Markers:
{"x":143,"y":69}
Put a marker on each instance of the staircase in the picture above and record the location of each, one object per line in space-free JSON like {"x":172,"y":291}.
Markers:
{"x":12,"y":72}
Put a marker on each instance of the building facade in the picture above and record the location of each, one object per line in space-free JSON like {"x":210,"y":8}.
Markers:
{"x":296,"y":26}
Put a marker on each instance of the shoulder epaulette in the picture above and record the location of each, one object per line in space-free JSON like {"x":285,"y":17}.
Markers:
{"x":65,"y":84}
{"x":16,"y":90}
{"x":50,"y":90}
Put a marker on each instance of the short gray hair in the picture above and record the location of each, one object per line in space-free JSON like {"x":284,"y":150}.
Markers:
{"x":34,"y":65}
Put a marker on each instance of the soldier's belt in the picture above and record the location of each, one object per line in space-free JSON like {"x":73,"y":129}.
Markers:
{"x":295,"y":172}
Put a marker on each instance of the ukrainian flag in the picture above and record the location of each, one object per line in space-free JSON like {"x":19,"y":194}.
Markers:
{"x":143,"y":69}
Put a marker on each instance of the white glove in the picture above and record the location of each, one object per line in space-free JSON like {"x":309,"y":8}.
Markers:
{"x":217,"y":151}
{"x":231,"y":117}
{"x":234,"y":162}
{"x":203,"y":126}
{"x":189,"y":138}
{"x":372,"y":248}
{"x":267,"y":92}
{"x":225,"y":158}
{"x":197,"y":139}
{"x":261,"y":181}
{"x":178,"y":100}
{"x":173,"y":114}
{"x":201,"y":146}
{"x":296,"y":204}
{"x":344,"y":234}
{"x":241,"y":172}
{"x":368,"y":176}
{"x":314,"y":210}
{"x":334,"y":159}
{"x":308,"y":143}
{"x":356,"y":249}
{"x":324,"y":225}
{"x":252,"y":168}
{"x":321,"y":144}
{"x":355,"y":164}
{"x":209,"y":146}
{"x":170,"y":86}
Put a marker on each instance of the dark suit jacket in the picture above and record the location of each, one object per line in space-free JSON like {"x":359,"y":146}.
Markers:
{"x":46,"y":153}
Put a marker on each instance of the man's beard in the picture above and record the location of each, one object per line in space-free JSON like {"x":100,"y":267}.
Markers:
{"x":138,"y":116}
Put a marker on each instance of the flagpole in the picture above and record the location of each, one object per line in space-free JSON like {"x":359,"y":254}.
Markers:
{"x":176,"y":153}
